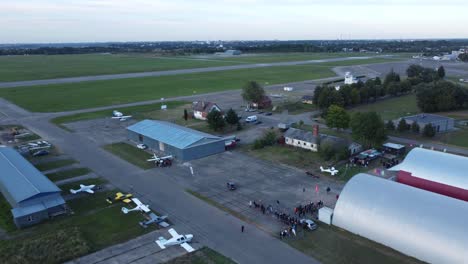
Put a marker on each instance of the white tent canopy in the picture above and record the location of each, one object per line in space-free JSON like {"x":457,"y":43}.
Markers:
{"x":418,"y":223}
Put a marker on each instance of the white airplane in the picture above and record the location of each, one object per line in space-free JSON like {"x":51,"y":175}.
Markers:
{"x":331,"y":170}
{"x":84,"y":188}
{"x":176,"y":239}
{"x":140,"y":207}
{"x":156,"y":159}
{"x":118,"y":115}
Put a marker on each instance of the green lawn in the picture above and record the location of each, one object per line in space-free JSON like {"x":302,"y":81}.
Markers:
{"x":391,"y":108}
{"x":137,"y":112}
{"x":295,"y":108}
{"x":131,"y":154}
{"x":55,"y":164}
{"x":34,"y":67}
{"x":204,"y":255}
{"x":333,"y":246}
{"x":61,"y":175}
{"x":6,"y":218}
{"x":73,"y":96}
{"x":457,"y":138}
{"x":94,"y":225}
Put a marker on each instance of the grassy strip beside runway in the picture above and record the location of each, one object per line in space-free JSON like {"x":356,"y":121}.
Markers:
{"x":130,"y":154}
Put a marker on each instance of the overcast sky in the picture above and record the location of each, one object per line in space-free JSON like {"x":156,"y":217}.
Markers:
{"x":156,"y":20}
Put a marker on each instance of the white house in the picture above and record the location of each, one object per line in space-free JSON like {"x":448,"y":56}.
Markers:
{"x":201,"y":109}
{"x":302,"y":139}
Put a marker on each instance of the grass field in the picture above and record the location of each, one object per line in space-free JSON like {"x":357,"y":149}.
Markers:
{"x":34,"y":67}
{"x":137,"y":112}
{"x":73,"y":96}
{"x":19,"y":68}
{"x":204,"y":255}
{"x":71,"y":173}
{"x":55,"y":164}
{"x":391,"y":108}
{"x":333,"y":246}
{"x":131,"y":154}
{"x":6,"y":218}
{"x":93,"y":226}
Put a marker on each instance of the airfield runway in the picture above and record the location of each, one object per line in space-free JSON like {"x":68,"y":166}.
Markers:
{"x":173,"y":72}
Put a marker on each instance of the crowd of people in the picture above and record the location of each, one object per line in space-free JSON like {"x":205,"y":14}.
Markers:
{"x":292,"y":221}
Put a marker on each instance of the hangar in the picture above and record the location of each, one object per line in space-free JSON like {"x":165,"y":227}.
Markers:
{"x":418,"y":223}
{"x":183,"y":143}
{"x":435,"y":171}
{"x":32,"y":196}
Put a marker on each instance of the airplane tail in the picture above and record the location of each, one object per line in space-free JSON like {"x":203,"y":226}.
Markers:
{"x":73,"y":191}
{"x":125,"y":210}
{"x":321,"y":168}
{"x":161,"y":242}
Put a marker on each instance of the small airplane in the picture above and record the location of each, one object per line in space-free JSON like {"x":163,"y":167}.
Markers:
{"x":140,"y":207}
{"x":156,"y":159}
{"x":84,"y":188}
{"x":118,"y":115}
{"x":176,"y":239}
{"x":160,"y":220}
{"x":331,"y":170}
{"x":126,"y":198}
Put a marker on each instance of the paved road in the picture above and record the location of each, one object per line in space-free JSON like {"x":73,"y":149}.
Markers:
{"x":211,"y":226}
{"x":173,"y":72}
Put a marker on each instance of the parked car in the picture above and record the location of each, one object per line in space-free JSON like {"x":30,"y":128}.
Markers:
{"x":258,"y":122}
{"x":268,"y":113}
{"x":309,"y":224}
{"x":231,"y":186}
{"x":40,"y":153}
{"x":260,"y":112}
{"x":142,"y":146}
{"x":250,"y":119}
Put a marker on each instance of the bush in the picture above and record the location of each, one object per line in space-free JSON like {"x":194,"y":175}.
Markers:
{"x":402,"y":126}
{"x":415,"y":127}
{"x":390,"y":126}
{"x":429,"y":130}
{"x":268,"y":139}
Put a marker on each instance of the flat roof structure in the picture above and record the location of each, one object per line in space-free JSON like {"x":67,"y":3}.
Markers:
{"x":426,"y":118}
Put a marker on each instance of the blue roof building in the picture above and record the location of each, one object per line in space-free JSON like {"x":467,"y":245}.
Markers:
{"x":181,"y":142}
{"x":32,"y":196}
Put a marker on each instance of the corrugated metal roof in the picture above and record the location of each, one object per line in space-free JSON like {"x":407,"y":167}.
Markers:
{"x":436,"y":166}
{"x":27,"y":210}
{"x":19,"y":179}
{"x":422,"y":224}
{"x":171,"y":134}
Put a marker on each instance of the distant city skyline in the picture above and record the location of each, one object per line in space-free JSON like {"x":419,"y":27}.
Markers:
{"x":57,"y":21}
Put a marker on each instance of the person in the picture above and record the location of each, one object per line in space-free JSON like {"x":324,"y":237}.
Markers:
{"x":277,"y":201}
{"x":250,"y":203}
{"x":303,"y":189}
{"x":242,"y":229}
{"x":328,"y":190}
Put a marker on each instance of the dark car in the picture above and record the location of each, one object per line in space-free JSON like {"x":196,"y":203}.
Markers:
{"x":231,"y":186}
{"x":40,"y":153}
{"x":268,"y":114}
{"x":258,"y":122}
{"x":260,"y":112}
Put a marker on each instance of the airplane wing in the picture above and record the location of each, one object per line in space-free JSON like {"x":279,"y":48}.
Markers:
{"x":172,"y":232}
{"x":137,"y":201}
{"x":187,"y":247}
{"x":89,"y":191}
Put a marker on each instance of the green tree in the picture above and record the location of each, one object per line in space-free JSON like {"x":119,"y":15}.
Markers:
{"x":329,"y":96}
{"x":337,"y":117}
{"x":252,"y":92}
{"x":402,"y":126}
{"x":377,"y":81}
{"x":414,"y":70}
{"x":391,"y":77}
{"x":463,"y":57}
{"x":415,"y":127}
{"x":429,"y":130}
{"x":390,"y":126}
{"x":215,"y":120}
{"x":355,"y":97}
{"x":231,"y":117}
{"x":441,"y":72}
{"x":368,"y":128}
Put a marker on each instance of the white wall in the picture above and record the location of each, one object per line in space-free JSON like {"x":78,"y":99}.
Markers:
{"x":301,"y":144}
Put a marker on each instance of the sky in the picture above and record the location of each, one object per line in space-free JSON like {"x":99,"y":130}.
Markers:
{"x":47,"y":21}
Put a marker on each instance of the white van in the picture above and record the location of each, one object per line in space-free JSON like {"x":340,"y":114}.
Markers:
{"x":251,"y":119}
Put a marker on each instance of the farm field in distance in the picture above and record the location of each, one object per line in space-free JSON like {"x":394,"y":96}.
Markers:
{"x":73,"y":96}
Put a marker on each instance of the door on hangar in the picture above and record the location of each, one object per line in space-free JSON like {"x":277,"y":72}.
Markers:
{"x":161,"y":146}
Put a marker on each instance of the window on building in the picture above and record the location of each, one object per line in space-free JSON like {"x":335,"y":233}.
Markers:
{"x":140,"y":137}
{"x":30,"y":218}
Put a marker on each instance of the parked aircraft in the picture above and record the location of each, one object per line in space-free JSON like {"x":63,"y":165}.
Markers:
{"x":176,"y":239}
{"x":118,"y":115}
{"x":84,"y":188}
{"x":331,"y":170}
{"x":160,"y":220}
{"x":161,"y":161}
{"x":139,"y":207}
